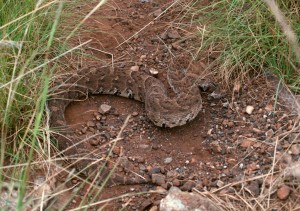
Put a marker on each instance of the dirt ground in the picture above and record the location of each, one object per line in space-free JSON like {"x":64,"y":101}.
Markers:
{"x":233,"y":139}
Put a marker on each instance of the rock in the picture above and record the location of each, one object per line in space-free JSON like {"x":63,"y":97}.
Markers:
{"x":256,"y":130}
{"x":173,"y":34}
{"x":153,"y":72}
{"x":220,"y":183}
{"x":116,"y":150}
{"x":135,"y":68}
{"x":254,"y":188}
{"x":295,"y":149}
{"x":176,"y":182}
{"x":247,"y":143}
{"x":104,"y":108}
{"x":154,"y":208}
{"x":135,"y":113}
{"x":156,"y":13}
{"x":146,"y":204}
{"x":216,"y":148}
{"x":94,"y":142}
{"x":90,"y":124}
{"x":158,"y":179}
{"x":178,"y":200}
{"x":269,"y":108}
{"x":283,"y":192}
{"x":83,"y":130}
{"x":269,"y":133}
{"x":249,"y":109}
{"x":154,"y":170}
{"x":164,"y":35}
{"x":188,"y":186}
{"x":217,"y":94}
{"x":168,"y":160}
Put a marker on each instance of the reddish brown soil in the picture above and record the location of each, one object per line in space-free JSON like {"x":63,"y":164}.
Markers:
{"x":222,"y":145}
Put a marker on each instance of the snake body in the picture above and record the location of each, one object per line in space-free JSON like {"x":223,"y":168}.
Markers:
{"x":162,"y":108}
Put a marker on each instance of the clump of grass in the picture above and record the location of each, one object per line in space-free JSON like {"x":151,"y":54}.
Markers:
{"x":27,"y":31}
{"x":248,"y":39}
{"x":32,"y":41}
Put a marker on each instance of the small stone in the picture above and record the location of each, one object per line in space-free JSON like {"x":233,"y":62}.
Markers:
{"x":256,"y":130}
{"x":83,"y":130}
{"x":269,"y":108}
{"x":176,"y":182}
{"x":146,"y":204}
{"x":173,"y":34}
{"x":247,"y":143}
{"x":104,"y":108}
{"x":252,"y":167}
{"x":194,"y":160}
{"x":94,"y":142}
{"x":216,"y":147}
{"x":254,"y":188}
{"x":230,"y":124}
{"x":135,"y":113}
{"x":178,"y":200}
{"x":220,"y":183}
{"x":269,"y":133}
{"x":90,"y":124}
{"x":116,"y":150}
{"x":249,"y":109}
{"x":283,"y":192}
{"x":188,"y":186}
{"x":153,"y":71}
{"x":143,"y":57}
{"x":217,"y":94}
{"x":168,"y":160}
{"x":158,"y":179}
{"x":154,"y":208}
{"x":295,"y":149}
{"x":135,"y":68}
{"x":164,"y":35}
{"x":156,"y":13}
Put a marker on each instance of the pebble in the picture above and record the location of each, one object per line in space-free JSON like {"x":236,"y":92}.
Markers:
{"x":220,"y":183}
{"x":135,"y":113}
{"x":173,"y":34}
{"x":156,"y":13}
{"x":254,"y":188}
{"x":269,"y":108}
{"x":247,"y":143}
{"x":146,"y":204}
{"x":188,"y":186}
{"x":269,"y":133}
{"x":116,"y":150}
{"x":256,"y":130}
{"x":153,"y":72}
{"x":159,"y":179}
{"x":283,"y":192}
{"x":168,"y":160}
{"x":90,"y":124}
{"x":249,"y":109}
{"x":176,"y":182}
{"x":104,"y":108}
{"x":94,"y":142}
{"x":295,"y":149}
{"x":154,"y":208}
{"x":135,"y":68}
